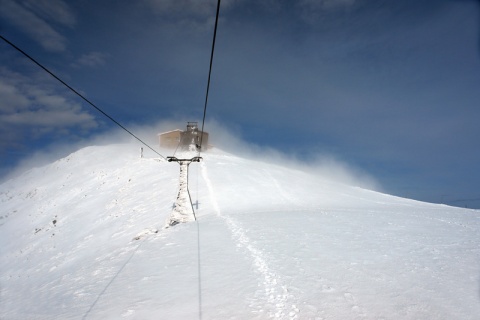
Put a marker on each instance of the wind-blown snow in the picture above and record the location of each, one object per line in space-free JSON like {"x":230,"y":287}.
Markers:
{"x":269,"y":242}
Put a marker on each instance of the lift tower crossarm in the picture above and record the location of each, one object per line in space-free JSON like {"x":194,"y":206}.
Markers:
{"x":175,"y":159}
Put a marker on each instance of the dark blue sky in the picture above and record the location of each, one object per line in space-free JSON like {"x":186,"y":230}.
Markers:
{"x":388,"y":87}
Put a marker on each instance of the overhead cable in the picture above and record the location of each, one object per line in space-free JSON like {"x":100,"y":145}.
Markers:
{"x":78,"y":94}
{"x":209,"y":73}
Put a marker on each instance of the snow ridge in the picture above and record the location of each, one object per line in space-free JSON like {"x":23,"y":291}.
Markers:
{"x":279,"y":301}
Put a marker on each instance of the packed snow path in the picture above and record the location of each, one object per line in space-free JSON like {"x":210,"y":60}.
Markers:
{"x":270,"y":242}
{"x":275,"y":299}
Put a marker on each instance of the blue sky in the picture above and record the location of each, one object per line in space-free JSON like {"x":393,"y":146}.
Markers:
{"x":388,"y":87}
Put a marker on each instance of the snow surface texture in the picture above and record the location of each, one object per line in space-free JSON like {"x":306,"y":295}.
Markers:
{"x":80,"y":241}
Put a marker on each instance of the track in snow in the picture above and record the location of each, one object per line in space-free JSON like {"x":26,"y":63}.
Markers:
{"x":279,"y":302}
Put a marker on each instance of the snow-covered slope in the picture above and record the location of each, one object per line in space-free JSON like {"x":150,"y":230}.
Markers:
{"x":269,"y":242}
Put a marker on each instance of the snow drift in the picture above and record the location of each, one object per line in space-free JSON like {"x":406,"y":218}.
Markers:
{"x":82,"y":238}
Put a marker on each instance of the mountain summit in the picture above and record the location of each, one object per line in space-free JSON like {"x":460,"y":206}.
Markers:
{"x":83,"y":238}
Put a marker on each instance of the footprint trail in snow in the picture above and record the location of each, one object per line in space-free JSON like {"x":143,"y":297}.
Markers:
{"x":279,"y":302}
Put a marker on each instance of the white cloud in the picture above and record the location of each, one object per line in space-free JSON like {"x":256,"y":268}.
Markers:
{"x":312,"y":10}
{"x":12,"y":99}
{"x":31,"y":106}
{"x":35,"y":18}
{"x":184,"y":7}
{"x":52,"y":10}
{"x":92,"y":59}
{"x":325,"y":4}
{"x":50,"y":118}
{"x":190,"y":14}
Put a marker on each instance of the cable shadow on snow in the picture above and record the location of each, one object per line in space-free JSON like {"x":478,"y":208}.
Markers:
{"x":111,"y":281}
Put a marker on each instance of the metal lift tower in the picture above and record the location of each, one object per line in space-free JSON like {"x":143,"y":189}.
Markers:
{"x":183,"y":208}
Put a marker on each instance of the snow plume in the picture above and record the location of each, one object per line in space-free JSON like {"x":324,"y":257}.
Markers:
{"x":229,"y":139}
{"x":327,"y":166}
{"x":55,"y":151}
{"x":147,"y":133}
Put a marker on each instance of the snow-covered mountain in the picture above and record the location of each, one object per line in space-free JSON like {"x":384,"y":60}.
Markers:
{"x":79,"y":242}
